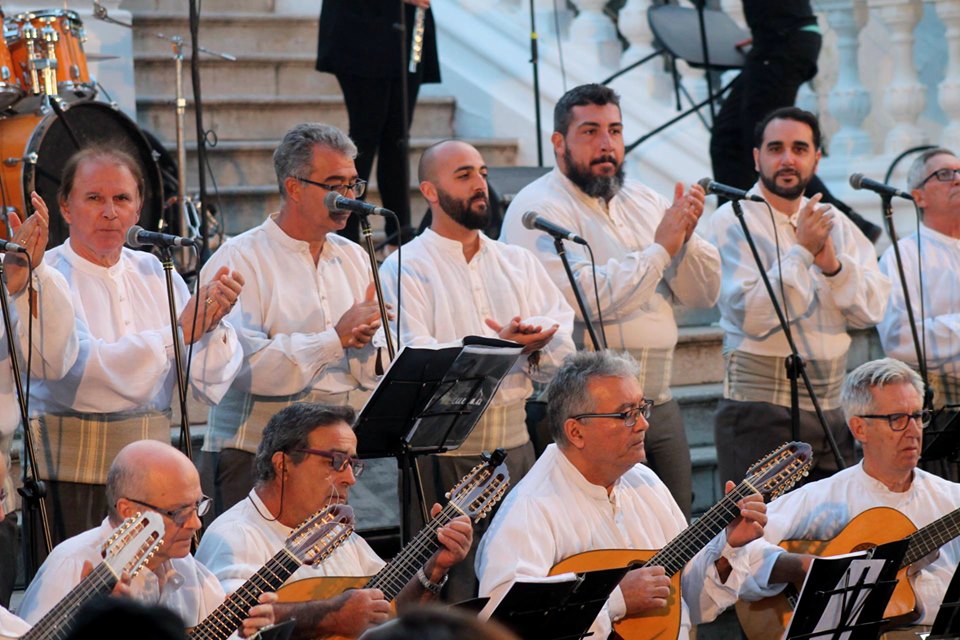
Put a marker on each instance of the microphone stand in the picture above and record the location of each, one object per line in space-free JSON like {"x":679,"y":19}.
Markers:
{"x":367,"y":234}
{"x":535,"y":61}
{"x":794,"y":363}
{"x":166,"y":259}
{"x":562,"y":252}
{"x":33,"y":491}
{"x":887,"y":205}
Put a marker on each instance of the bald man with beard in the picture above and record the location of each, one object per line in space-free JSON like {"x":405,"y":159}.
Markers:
{"x":509,"y":296}
{"x":145,"y":475}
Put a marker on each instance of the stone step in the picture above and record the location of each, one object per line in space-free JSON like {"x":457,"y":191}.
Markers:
{"x":698,"y":358}
{"x":705,"y":481}
{"x":269,"y":117}
{"x":232,"y":32}
{"x":698,"y":402}
{"x":263,"y":74}
{"x":179,"y":6}
{"x":250,"y":162}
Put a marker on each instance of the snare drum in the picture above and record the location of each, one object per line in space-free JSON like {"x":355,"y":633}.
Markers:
{"x":49,"y":42}
{"x":35,"y":148}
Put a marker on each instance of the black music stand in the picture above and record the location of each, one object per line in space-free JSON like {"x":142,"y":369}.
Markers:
{"x":559,"y":608}
{"x":946,"y":626}
{"x":429,"y":401}
{"x":845,"y":596}
{"x":941,"y":440}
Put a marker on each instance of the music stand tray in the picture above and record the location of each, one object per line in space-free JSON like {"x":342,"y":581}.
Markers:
{"x":845,"y":596}
{"x":677,"y":29}
{"x":946,"y":626}
{"x":560,"y":607}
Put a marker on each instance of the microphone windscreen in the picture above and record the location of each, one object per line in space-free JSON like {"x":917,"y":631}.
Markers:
{"x":133,"y":240}
{"x":331,"y":202}
{"x":856,"y":180}
{"x":705,"y":183}
{"x":529,"y":219}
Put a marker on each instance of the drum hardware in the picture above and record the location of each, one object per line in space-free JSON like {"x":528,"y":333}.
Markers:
{"x":30,"y":158}
{"x":185,"y":256}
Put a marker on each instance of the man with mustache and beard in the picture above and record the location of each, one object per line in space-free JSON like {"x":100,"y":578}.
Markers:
{"x":648,"y":257}
{"x":825,"y":275}
{"x":508,"y":295}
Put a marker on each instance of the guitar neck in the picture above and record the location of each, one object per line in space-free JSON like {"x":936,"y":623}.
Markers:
{"x":226,"y":618}
{"x":58,"y":622}
{"x":397,"y":573}
{"x":678,"y":552}
{"x":932,"y":537}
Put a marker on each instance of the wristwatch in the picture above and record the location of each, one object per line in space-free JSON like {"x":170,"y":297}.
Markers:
{"x":432,"y":587}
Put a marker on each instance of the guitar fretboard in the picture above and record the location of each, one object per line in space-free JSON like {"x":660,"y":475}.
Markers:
{"x":395,"y":576}
{"x":58,"y":622}
{"x":678,"y":552}
{"x":932,"y":537}
{"x":226,"y":618}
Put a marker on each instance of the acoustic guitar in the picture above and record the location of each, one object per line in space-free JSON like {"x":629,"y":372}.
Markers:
{"x":767,"y":619}
{"x":770,"y":477}
{"x":127,"y":549}
{"x":315,"y":539}
{"x":474,"y":496}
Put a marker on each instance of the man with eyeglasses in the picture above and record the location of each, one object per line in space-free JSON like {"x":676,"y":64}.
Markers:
{"x":306,"y":461}
{"x":308,"y":321}
{"x":145,"y":475}
{"x":589,"y":491}
{"x":883,"y":404}
{"x":934,"y":182}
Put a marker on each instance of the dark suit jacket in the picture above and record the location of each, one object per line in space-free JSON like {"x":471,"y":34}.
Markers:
{"x":357,"y":37}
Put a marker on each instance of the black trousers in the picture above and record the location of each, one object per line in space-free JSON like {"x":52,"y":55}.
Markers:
{"x":770,"y":79}
{"x":72,"y":508}
{"x":374,"y":106}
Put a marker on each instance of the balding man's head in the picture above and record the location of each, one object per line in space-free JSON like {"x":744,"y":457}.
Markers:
{"x":453,"y":179}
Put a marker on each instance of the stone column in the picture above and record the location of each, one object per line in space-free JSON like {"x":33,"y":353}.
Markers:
{"x":948,"y":93}
{"x":848,"y":100}
{"x":593,"y":37}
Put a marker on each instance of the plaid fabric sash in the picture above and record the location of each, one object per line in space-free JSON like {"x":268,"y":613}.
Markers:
{"x":753,"y":378}
{"x":499,"y":426}
{"x":656,"y":369}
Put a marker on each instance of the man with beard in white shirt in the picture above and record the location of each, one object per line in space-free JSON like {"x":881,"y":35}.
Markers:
{"x":648,"y":257}
{"x":934,"y":183}
{"x":455,"y":282}
{"x":824,"y":273}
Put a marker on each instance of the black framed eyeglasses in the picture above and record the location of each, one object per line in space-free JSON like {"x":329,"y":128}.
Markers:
{"x":629,"y":417}
{"x":899,"y":421}
{"x":942,"y":175}
{"x":359,"y":187}
{"x":338,"y":460}
{"x":181,"y":515}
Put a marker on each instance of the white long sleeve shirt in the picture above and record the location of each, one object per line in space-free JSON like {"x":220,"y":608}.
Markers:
{"x":54,"y":339}
{"x":638,"y":281}
{"x":820,"y":309}
{"x":125,"y":360}
{"x":445,"y":298}
{"x":288,"y":309}
{"x":941,"y":293}
{"x":239,"y":542}
{"x":820,"y":510}
{"x":554,"y":513}
{"x":189,"y":589}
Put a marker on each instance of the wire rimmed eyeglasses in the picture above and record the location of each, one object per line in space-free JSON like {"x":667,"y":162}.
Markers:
{"x":629,"y":417}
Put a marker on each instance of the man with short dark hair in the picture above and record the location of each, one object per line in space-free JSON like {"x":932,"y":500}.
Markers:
{"x":458,"y":282}
{"x":882,"y":402}
{"x":824,"y":273}
{"x":648,"y":257}
{"x":307,"y":460}
{"x":934,"y":182}
{"x":307,"y":320}
{"x":589,"y":492}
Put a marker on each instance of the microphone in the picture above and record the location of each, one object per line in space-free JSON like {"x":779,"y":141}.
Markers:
{"x":6,"y":246}
{"x":336,"y":202}
{"x":533,"y":221}
{"x":730,"y":193}
{"x":138,"y":237}
{"x":857,"y":181}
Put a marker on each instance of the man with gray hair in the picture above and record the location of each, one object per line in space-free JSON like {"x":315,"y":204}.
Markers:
{"x":307,"y":459}
{"x":589,"y":491}
{"x":882,"y":402}
{"x":934,"y":182}
{"x":308,"y":318}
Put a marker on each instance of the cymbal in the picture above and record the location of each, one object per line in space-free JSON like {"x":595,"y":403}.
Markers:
{"x":100,"y":57}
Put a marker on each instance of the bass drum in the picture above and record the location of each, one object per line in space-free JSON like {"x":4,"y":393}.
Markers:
{"x":34,"y":150}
